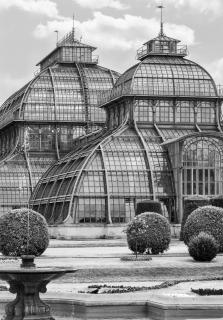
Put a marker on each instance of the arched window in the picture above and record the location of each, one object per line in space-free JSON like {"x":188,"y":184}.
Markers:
{"x":202,"y":166}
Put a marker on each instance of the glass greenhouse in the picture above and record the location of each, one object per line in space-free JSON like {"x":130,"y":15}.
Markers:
{"x":39,"y":122}
{"x":162,"y":140}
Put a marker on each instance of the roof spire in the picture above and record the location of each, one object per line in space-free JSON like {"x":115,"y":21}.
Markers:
{"x":73,"y":29}
{"x":161,"y":7}
{"x":57,"y":33}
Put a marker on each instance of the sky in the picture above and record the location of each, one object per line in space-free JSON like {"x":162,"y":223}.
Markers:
{"x":116,"y":27}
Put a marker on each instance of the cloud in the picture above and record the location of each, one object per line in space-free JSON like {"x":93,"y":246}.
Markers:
{"x":216,"y":70}
{"x":10,"y":84}
{"x":44,"y":7}
{"x":203,"y":6}
{"x":125,"y":33}
{"x":99,"y":4}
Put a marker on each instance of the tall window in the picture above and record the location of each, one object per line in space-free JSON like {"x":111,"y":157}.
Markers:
{"x":164,"y":111}
{"x":206,"y":112}
{"x":144,"y":111}
{"x":185,"y":112}
{"x":202,"y":167}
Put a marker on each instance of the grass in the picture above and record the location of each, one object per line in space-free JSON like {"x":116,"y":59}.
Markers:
{"x":143,"y":274}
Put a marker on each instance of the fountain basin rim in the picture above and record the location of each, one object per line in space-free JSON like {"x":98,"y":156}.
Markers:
{"x":38,"y":270}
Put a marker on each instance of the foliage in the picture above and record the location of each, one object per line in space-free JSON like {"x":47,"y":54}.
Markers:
{"x":23,"y":232}
{"x":150,"y":232}
{"x":136,"y":237}
{"x":148,"y":206}
{"x":208,"y":219}
{"x":190,"y":204}
{"x":131,"y":257}
{"x":109,"y":289}
{"x":217,"y":201}
{"x":208,"y":292}
{"x":203,"y":247}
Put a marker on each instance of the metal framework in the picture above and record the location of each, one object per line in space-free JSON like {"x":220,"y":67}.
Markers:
{"x":203,"y":166}
{"x":47,"y":115}
{"x":151,"y":105}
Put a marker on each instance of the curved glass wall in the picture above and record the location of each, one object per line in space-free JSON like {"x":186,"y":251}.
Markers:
{"x":103,"y":184}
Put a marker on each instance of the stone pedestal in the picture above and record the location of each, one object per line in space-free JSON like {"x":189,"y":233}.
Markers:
{"x":27,"y":284}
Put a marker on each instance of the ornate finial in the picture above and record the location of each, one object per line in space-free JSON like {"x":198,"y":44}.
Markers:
{"x":57,"y":33}
{"x":161,"y":7}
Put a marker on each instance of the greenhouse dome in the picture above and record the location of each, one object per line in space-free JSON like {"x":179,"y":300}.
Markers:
{"x":39,"y":123}
{"x":162,"y":140}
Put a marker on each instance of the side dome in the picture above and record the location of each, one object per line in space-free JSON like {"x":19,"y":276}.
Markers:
{"x":39,"y":123}
{"x":62,"y":93}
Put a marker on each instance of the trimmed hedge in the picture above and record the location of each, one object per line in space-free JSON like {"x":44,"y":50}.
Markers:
{"x":136,"y":235}
{"x":208,"y":219}
{"x":203,"y":247}
{"x":150,"y":231}
{"x":217,"y":201}
{"x":15,"y":240}
{"x":191,"y":204}
{"x":208,"y":291}
{"x":148,"y":206}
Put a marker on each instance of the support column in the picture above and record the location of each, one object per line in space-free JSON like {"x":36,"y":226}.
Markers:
{"x":180,"y":182}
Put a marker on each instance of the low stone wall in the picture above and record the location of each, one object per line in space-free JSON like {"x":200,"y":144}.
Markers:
{"x":142,"y":306}
{"x":94,"y":231}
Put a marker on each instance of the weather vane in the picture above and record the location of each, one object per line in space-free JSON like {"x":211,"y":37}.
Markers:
{"x":161,"y":7}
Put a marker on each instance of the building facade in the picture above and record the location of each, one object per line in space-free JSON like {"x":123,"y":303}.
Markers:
{"x":39,"y":123}
{"x":162,"y":140}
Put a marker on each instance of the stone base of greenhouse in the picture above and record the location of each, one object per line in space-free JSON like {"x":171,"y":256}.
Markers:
{"x":96,"y":231}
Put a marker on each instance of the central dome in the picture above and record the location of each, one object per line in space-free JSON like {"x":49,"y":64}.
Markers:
{"x":163,"y":71}
{"x":168,"y":76}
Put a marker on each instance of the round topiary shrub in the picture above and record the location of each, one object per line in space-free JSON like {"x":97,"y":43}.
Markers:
{"x":208,"y":219}
{"x":217,"y":201}
{"x":16,"y":240}
{"x":190,"y":204}
{"x":148,"y":205}
{"x":203,"y":247}
{"x":154,"y":235}
{"x":136,"y":235}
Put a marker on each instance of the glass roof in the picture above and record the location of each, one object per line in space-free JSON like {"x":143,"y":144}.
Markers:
{"x":60,"y":93}
{"x":163,"y":75}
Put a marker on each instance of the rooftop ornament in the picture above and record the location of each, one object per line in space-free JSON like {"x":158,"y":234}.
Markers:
{"x":24,"y":233}
{"x":161,"y":45}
